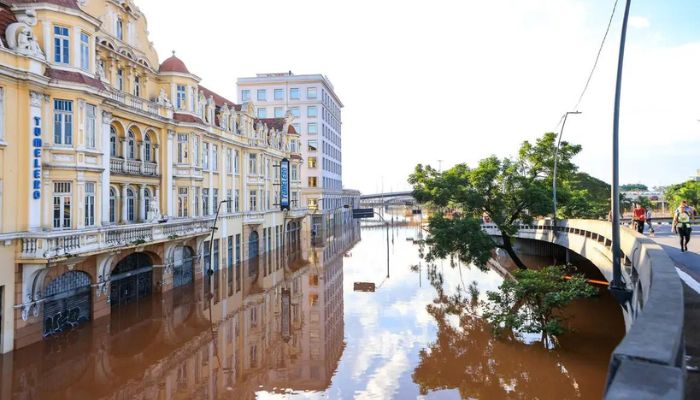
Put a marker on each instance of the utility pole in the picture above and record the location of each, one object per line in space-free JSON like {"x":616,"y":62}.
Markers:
{"x":617,"y":286}
{"x":554,"y":171}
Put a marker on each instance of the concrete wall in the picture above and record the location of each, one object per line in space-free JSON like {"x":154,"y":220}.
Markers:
{"x":649,"y":362}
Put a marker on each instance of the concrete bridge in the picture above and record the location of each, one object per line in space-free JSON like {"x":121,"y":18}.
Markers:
{"x":385,"y":199}
{"x":649,"y":362}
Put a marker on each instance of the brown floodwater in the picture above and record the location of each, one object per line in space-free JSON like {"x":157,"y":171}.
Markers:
{"x":302,"y":332}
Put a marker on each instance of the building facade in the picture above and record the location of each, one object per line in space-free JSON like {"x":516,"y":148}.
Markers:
{"x":113,"y":166}
{"x":313,"y":103}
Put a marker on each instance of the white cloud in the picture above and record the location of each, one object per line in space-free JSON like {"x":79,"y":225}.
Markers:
{"x":639,"y":22}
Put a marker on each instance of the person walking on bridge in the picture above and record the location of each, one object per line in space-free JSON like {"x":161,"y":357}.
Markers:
{"x":640,"y":216}
{"x":651,"y":227}
{"x":682,"y":220}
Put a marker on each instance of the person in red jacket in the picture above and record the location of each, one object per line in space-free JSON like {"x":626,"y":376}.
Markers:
{"x":640,"y":217}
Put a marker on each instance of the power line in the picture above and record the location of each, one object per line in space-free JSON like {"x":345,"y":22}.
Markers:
{"x":595,"y":65}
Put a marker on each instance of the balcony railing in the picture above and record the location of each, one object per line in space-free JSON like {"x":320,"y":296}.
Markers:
{"x":139,"y":103}
{"x":133,"y":167}
{"x":254,"y":217}
{"x":297,"y":213}
{"x":61,"y":244}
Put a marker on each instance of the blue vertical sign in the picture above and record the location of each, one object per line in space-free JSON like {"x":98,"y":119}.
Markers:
{"x":36,"y":159}
{"x":284,"y":184}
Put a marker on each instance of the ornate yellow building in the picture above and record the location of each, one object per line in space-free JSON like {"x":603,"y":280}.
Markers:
{"x":113,"y":165}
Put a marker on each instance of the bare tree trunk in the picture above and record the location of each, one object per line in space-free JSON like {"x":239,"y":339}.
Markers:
{"x":508,"y":247}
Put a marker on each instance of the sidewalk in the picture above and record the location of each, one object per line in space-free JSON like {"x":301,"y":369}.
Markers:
{"x":688,"y":264}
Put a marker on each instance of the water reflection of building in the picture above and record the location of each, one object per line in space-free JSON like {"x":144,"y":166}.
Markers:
{"x":165,"y":347}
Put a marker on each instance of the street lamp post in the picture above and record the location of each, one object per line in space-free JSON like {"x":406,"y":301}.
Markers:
{"x":554,"y":170}
{"x":617,"y":286}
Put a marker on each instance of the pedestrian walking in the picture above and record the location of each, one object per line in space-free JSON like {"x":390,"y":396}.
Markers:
{"x":639,"y":215}
{"x":682,"y":220}
{"x":649,"y":218}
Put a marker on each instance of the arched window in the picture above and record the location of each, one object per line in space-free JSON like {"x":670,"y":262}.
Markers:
{"x":131,"y":146}
{"x":130,"y":202}
{"x":112,"y":141}
{"x":112,"y":205}
{"x":147,"y":149}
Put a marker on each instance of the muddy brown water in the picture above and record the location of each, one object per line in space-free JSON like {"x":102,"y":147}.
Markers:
{"x":330,"y":343}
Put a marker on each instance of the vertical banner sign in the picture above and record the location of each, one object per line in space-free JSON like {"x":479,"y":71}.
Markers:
{"x":286,"y":314}
{"x":284,"y":184}
{"x":36,"y":159}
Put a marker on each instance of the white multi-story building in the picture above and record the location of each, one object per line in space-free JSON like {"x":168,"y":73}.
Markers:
{"x":316,"y":108}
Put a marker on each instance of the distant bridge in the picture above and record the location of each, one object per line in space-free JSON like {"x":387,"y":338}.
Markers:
{"x":384,"y":199}
{"x":649,"y":362}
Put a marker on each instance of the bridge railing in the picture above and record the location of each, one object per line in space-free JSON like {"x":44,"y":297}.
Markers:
{"x":649,"y":362}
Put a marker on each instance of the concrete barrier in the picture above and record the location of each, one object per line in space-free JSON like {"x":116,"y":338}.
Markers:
{"x":649,"y":362}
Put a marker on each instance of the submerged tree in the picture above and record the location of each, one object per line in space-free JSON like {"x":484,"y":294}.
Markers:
{"x":508,"y":191}
{"x":532,"y":302}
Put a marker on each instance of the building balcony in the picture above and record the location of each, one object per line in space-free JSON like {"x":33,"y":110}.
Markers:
{"x":297,"y":213}
{"x":139,"y":104}
{"x":253,"y":218}
{"x":133,"y":167}
{"x":56,"y":244}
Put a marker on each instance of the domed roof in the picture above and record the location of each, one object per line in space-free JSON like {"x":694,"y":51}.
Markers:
{"x":173,"y":64}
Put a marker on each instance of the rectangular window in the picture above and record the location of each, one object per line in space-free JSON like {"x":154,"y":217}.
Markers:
{"x":120,"y":79}
{"x":84,"y":51}
{"x":137,"y":86}
{"x":215,"y":158}
{"x":90,"y":126}
{"x":120,"y":29}
{"x":61,"y":41}
{"x":311,"y":93}
{"x":181,"y":148}
{"x":313,"y":145}
{"x":245,"y":95}
{"x":205,"y":156}
{"x":196,"y":142}
{"x":312,"y":128}
{"x":229,"y":161}
{"x":89,"y":204}
{"x":253,"y":198}
{"x":62,"y":205}
{"x":279,"y":112}
{"x":205,"y":201}
{"x":180,"y":97}
{"x":294,"y":93}
{"x":311,"y":111}
{"x":63,"y":122}
{"x":313,"y":162}
{"x":215,"y":201}
{"x":295,"y":111}
{"x":237,"y":201}
{"x":313,"y":182}
{"x":262,"y":95}
{"x":229,"y":201}
{"x":196,"y":202}
{"x":295,"y":173}
{"x":236,"y":163}
{"x":279,"y":94}
{"x":182,"y":202}
{"x":262,"y":112}
{"x":252,"y":164}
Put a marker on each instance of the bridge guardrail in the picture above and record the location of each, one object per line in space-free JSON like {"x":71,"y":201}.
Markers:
{"x":649,"y":362}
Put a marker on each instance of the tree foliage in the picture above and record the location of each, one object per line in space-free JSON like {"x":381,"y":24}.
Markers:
{"x":583,"y":196}
{"x":634,"y":187}
{"x":689,"y":191}
{"x":532,"y":301}
{"x":509,"y":190}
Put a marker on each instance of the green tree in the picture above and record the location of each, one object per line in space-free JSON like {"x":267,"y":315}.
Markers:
{"x":689,"y":191}
{"x":532,"y":301}
{"x":584,"y":196}
{"x":508,"y":190}
{"x":631,"y":187}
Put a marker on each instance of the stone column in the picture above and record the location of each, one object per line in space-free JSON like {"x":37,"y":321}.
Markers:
{"x":169,"y":173}
{"x":142,"y":203}
{"x":125,"y":213}
{"x":157,"y":157}
{"x":142,"y":155}
{"x":125,"y":151}
{"x":106,"y":120}
{"x":35,"y":146}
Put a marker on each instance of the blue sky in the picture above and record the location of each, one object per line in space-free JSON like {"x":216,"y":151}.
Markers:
{"x":459,"y":81}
